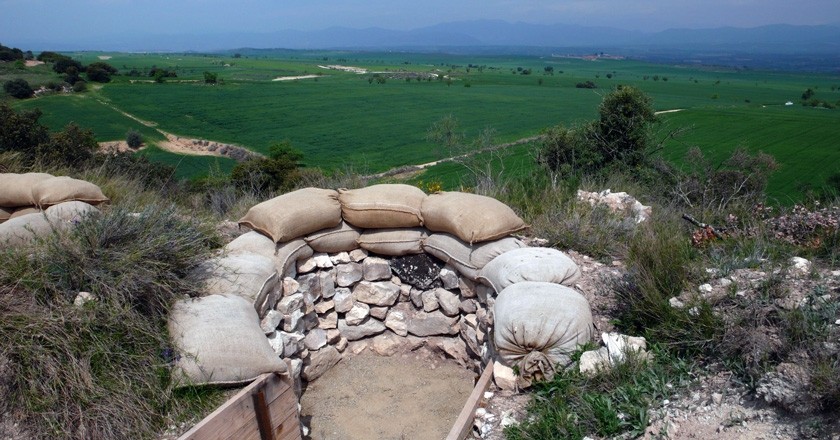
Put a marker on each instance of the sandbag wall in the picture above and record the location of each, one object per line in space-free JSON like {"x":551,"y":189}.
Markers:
{"x":387,"y":268}
{"x":33,"y":205}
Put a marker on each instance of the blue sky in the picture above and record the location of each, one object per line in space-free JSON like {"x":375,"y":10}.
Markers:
{"x":60,"y":19}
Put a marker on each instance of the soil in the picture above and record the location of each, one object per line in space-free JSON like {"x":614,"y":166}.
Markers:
{"x":292,"y":78}
{"x":373,"y":397}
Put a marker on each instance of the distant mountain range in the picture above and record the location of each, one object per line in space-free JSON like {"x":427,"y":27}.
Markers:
{"x":485,"y":35}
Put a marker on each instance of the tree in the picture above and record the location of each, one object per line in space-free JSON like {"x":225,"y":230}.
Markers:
{"x":70,"y":147}
{"x":71,"y":75}
{"x":18,"y":88}
{"x":567,"y":151}
{"x":586,"y":85}
{"x":622,"y":132}
{"x":210,"y":78}
{"x":10,"y":53}
{"x":277,"y":172}
{"x":134,"y":139}
{"x":62,"y":63}
{"x":21,"y":132}
{"x":445,"y":133}
{"x":100,"y":72}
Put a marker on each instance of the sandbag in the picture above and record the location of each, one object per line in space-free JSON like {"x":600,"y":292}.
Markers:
{"x":288,"y":254}
{"x":470,"y":217}
{"x":25,"y":229}
{"x":529,"y":264}
{"x":219,"y":341}
{"x":393,"y":242}
{"x":5,"y":213}
{"x":252,"y":242}
{"x":382,"y":206}
{"x":72,"y":212}
{"x":24,"y":210}
{"x":249,"y":276}
{"x":295,"y":214}
{"x":16,"y":189}
{"x":341,"y":238}
{"x":56,"y":190}
{"x":468,"y":259}
{"x":538,"y":326}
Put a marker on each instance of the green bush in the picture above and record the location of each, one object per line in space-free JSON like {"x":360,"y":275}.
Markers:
{"x":134,"y":139}
{"x":18,"y":88}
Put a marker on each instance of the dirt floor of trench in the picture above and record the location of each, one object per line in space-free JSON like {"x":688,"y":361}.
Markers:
{"x":373,"y":397}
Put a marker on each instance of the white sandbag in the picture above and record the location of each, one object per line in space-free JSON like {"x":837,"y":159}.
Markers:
{"x":72,"y":212}
{"x":252,"y":242}
{"x":382,"y":206}
{"x":538,"y":326}
{"x":529,"y":264}
{"x":16,"y":189}
{"x":26,"y":229}
{"x":24,"y":210}
{"x":468,"y":259}
{"x":5,"y":213}
{"x":393,"y":242}
{"x":341,"y":238}
{"x":470,"y":217}
{"x":249,"y":276}
{"x":288,"y":254}
{"x":219,"y":341}
{"x":295,"y":214}
{"x":61,"y":189}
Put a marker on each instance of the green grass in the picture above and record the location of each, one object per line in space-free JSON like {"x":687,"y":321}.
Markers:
{"x":189,"y":167}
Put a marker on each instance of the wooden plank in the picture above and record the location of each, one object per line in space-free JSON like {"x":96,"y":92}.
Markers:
{"x":463,"y":424}
{"x":235,"y":415}
{"x":263,"y":416}
{"x":284,"y":417}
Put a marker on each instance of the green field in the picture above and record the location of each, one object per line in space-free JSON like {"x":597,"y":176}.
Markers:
{"x":344,"y":119}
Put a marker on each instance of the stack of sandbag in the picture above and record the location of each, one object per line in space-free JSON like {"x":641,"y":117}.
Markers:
{"x":33,"y":205}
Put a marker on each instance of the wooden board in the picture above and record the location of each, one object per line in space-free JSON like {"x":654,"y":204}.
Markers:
{"x":236,"y":419}
{"x":463,"y":424}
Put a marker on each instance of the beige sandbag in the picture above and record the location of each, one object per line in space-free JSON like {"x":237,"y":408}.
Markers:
{"x":5,"y":213}
{"x":16,"y":189}
{"x":72,"y":212}
{"x":249,"y":276}
{"x":65,"y":189}
{"x":295,"y":214}
{"x":538,"y":326}
{"x":382,"y":206}
{"x":252,"y":242}
{"x":341,"y":238}
{"x":219,"y":341}
{"x":288,"y":254}
{"x":529,"y":264}
{"x":465,"y":258}
{"x":393,"y":242}
{"x":24,"y":211}
{"x":27,"y":228}
{"x":470,"y":217}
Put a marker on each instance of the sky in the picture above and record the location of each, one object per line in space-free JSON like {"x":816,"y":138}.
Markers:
{"x":54,"y":20}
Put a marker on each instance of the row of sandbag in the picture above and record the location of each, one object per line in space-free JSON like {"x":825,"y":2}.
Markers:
{"x":470,"y":217}
{"x":22,"y":194}
{"x":26,"y":228}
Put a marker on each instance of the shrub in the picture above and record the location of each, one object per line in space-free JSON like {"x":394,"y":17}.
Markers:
{"x":100,"y":72}
{"x":210,"y":78}
{"x":134,"y":139}
{"x":278,"y":171}
{"x":18,"y":88}
{"x":623,"y":125}
{"x":72,"y":146}
{"x":79,"y":86}
{"x":586,"y":85}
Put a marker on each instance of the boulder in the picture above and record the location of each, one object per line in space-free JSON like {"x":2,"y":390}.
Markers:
{"x":368,"y":327}
{"x":343,"y":300}
{"x":396,"y":322}
{"x":320,"y":362}
{"x":386,"y":344}
{"x":449,"y":302}
{"x":383,"y":293}
{"x":357,"y":314}
{"x":430,"y":324}
{"x":430,"y":302}
{"x":328,"y":321}
{"x":315,"y":339}
{"x":419,"y":270}
{"x":348,"y":274}
{"x":376,"y":269}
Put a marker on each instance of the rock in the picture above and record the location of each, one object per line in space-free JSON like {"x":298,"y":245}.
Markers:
{"x":454,"y":348}
{"x":504,"y":377}
{"x":292,"y":343}
{"x":470,"y":320}
{"x":386,"y":344}
{"x":293,"y":322}
{"x":290,"y":286}
{"x":717,"y":398}
{"x":379,"y":312}
{"x":276,"y":343}
{"x":676,"y":303}
{"x":724,"y":282}
{"x":310,"y":321}
{"x":619,"y":346}
{"x":357,"y":313}
{"x":800,"y":265}
{"x":705,"y":288}
{"x":416,"y":297}
{"x":383,"y":293}
{"x":467,"y":287}
{"x":340,"y":258}
{"x":270,"y":322}
{"x":467,"y":306}
{"x":396,"y":322}
{"x":788,"y":387}
{"x":289,"y":304}
{"x":357,"y":255}
{"x":618,"y":202}
{"x":357,"y":347}
{"x":322,"y":261}
{"x":396,"y":280}
{"x":348,"y":274}
{"x":448,"y":278}
{"x":324,"y":307}
{"x":315,"y":339}
{"x":430,"y":324}
{"x":470,"y":338}
{"x":326,"y":280}
{"x":507,"y":419}
{"x":430,"y":302}
{"x":593,"y":361}
{"x":449,"y":302}
{"x":82,"y":298}
{"x":343,"y":300}
{"x":329,"y":321}
{"x":306,"y":266}
{"x":484,"y":293}
{"x":341,"y":345}
{"x":376,"y":269}
{"x":405,"y":292}
{"x":320,"y":362}
{"x":368,"y":327}
{"x":419,"y":270}
{"x":333,"y":336}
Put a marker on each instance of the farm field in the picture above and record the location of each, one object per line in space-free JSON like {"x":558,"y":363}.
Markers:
{"x":345,"y":119}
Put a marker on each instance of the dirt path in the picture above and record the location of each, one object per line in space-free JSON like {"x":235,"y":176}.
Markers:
{"x":669,"y":111}
{"x":372,"y":397}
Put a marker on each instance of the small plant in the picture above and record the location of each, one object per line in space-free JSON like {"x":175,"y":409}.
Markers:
{"x":134,"y":139}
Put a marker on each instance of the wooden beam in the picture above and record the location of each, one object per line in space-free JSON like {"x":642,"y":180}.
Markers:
{"x":263,"y":415}
{"x":463,"y":424}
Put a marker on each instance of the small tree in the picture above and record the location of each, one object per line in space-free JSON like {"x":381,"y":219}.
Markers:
{"x":100,"y":72}
{"x":80,"y":86}
{"x":567,"y":151}
{"x":69,"y":147}
{"x":210,"y":78}
{"x":622,"y":131}
{"x":134,"y":139}
{"x":18,"y":88}
{"x":278,"y":171}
